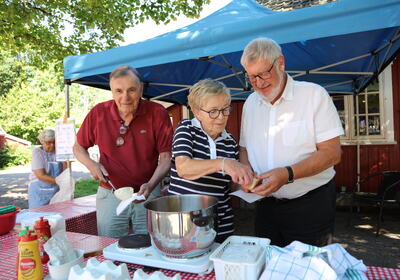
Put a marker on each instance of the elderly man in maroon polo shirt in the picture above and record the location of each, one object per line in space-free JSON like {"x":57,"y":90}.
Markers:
{"x":134,"y":137}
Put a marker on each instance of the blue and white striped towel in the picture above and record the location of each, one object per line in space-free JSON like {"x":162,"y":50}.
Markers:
{"x":299,"y":261}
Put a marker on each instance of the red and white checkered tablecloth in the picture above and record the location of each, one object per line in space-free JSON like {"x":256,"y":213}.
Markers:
{"x":8,"y":250}
{"x":79,"y":214}
{"x":90,"y":243}
{"x":383,"y":273}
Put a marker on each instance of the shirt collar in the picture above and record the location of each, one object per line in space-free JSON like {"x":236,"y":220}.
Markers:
{"x":224,"y":134}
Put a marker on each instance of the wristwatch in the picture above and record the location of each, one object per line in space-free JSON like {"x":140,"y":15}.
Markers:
{"x":291,"y":175}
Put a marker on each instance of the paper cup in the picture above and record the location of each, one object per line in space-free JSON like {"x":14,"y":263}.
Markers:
{"x":61,"y":272}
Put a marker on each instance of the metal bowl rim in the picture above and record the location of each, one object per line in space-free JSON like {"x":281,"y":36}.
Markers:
{"x":180,"y":212}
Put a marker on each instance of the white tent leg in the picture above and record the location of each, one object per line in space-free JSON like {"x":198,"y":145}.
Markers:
{"x":67,"y":111}
{"x":357,"y":140}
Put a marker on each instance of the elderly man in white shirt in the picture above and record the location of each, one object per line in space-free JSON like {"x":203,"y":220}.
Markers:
{"x":290,"y":137}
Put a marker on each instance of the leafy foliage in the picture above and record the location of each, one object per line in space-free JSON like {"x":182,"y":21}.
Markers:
{"x":33,"y":105}
{"x":14,"y":155}
{"x":12,"y":72}
{"x":34,"y":99}
{"x":52,"y":30}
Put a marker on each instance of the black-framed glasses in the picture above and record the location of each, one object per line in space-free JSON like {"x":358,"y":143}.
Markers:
{"x":214,"y":113}
{"x":263,"y":75}
{"x":122,"y":131}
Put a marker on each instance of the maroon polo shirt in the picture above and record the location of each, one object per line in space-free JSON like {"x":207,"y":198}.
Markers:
{"x":148,"y":135}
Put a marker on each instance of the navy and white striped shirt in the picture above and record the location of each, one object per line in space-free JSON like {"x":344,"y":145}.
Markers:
{"x":192,"y":141}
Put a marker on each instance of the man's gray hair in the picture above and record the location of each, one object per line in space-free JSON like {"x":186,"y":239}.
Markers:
{"x":260,"y":49}
{"x":124,"y":70}
{"x":203,"y":89}
{"x":47,"y":134}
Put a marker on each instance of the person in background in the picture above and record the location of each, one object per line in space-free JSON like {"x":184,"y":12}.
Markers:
{"x":134,"y":137}
{"x":290,"y":137}
{"x":42,"y":184}
{"x":204,"y":155}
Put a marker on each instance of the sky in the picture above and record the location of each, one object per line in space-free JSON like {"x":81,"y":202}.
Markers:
{"x":149,"y":29}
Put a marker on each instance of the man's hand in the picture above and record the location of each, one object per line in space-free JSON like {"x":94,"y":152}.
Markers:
{"x":145,"y":190}
{"x":97,"y":171}
{"x":275,"y":179}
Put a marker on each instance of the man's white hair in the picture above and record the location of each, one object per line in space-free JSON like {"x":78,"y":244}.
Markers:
{"x":260,"y":49}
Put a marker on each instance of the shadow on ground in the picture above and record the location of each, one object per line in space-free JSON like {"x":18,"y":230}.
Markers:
{"x":357,"y":237}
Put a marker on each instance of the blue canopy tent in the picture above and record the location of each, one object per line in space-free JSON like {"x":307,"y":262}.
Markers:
{"x":341,"y":45}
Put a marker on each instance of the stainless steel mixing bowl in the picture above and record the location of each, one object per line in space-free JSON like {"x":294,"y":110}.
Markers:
{"x":182,"y":226}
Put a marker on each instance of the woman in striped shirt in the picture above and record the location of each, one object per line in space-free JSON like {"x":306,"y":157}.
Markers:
{"x":205,"y":156}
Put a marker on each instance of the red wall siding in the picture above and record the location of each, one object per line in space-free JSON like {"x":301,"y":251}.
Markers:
{"x":175,"y":112}
{"x":373,"y":158}
{"x":233,"y":125}
{"x":2,"y":140}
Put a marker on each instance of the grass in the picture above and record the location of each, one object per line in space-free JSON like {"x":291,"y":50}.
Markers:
{"x":85,"y":187}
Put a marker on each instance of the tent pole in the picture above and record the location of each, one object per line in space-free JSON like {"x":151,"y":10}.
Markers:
{"x":67,"y":111}
{"x":357,"y":140}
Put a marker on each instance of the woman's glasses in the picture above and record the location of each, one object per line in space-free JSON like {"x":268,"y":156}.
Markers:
{"x":214,"y":113}
{"x":122,"y":131}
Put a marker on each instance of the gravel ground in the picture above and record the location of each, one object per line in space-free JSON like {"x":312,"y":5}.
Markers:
{"x":358,"y":237}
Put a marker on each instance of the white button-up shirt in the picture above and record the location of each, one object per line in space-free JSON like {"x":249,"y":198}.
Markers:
{"x":287,"y":132}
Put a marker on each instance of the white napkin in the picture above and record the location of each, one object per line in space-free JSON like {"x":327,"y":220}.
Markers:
{"x":67,"y":187}
{"x":248,"y":197}
{"x":124,"y":203}
{"x":302,"y":261}
{"x":60,"y":249}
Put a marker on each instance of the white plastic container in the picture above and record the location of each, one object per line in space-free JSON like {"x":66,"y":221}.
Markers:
{"x":61,"y":272}
{"x":240,"y":257}
{"x":56,"y":220}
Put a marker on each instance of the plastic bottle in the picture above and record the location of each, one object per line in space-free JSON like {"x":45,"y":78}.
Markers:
{"x":42,"y":228}
{"x":29,"y":265}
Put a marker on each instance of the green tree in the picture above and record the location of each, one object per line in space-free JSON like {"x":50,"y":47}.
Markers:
{"x":12,"y":72}
{"x":32,"y":99}
{"x":33,"y":105}
{"x":51,"y":30}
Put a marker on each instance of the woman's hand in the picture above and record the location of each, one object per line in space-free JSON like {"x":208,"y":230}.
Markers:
{"x":240,"y":173}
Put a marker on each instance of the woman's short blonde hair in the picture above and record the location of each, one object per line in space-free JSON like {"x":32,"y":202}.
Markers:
{"x":203,"y":89}
{"x":47,"y":134}
{"x":260,"y":49}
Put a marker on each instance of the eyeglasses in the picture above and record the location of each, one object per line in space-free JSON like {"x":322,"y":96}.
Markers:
{"x":263,"y":75}
{"x":122,"y":131}
{"x":214,"y":113}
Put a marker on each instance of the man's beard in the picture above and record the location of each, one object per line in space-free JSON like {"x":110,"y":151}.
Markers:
{"x":274,"y":93}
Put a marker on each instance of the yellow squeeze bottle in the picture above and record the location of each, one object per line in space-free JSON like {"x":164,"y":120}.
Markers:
{"x":29,"y":263}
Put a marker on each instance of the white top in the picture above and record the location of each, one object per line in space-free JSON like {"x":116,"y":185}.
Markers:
{"x":287,"y":132}
{"x":40,"y":160}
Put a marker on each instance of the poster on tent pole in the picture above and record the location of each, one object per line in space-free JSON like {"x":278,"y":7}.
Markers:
{"x":65,"y":138}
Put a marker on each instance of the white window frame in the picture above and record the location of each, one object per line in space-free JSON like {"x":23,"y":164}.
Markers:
{"x":386,"y":115}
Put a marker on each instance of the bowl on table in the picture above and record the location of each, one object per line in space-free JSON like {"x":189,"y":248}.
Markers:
{"x":7,"y":220}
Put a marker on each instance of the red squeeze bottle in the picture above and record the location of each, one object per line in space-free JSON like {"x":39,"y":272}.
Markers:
{"x":43,"y":232}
